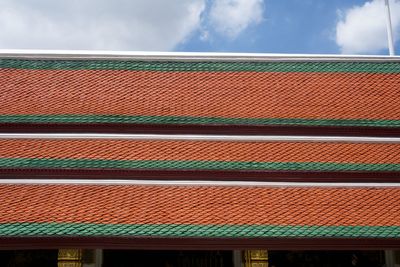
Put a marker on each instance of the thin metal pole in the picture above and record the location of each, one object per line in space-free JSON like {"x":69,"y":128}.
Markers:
{"x":389,"y":29}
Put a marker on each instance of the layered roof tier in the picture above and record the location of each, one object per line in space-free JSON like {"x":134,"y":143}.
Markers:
{"x":92,"y":187}
{"x":256,"y":92}
{"x":198,"y":155}
{"x":198,"y":211}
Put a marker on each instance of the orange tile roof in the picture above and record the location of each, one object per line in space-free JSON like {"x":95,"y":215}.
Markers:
{"x":217,"y":155}
{"x":304,"y":93}
{"x":134,"y":92}
{"x":198,"y":211}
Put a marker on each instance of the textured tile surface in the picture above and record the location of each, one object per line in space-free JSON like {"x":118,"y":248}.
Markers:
{"x":262,"y":93}
{"x":128,"y":154}
{"x":195,"y":211}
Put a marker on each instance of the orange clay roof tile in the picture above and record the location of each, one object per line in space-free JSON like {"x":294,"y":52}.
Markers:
{"x":325,"y":211}
{"x":239,"y":93}
{"x":133,"y":154}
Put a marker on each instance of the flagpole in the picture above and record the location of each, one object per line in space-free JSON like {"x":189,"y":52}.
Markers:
{"x":389,"y":29}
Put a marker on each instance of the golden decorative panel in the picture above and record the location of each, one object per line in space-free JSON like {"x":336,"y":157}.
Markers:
{"x":255,"y":258}
{"x":69,"y":258}
{"x":69,"y":264}
{"x":70,"y":254}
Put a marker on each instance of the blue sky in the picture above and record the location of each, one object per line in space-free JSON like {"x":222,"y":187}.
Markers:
{"x":266,"y":26}
{"x":289,"y":26}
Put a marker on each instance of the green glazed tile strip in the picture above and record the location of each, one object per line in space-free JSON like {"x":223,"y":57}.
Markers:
{"x":38,"y":163}
{"x":123,"y":119}
{"x":185,"y":230}
{"x":369,"y":67}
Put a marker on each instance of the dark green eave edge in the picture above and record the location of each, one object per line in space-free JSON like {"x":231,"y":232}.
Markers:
{"x":188,"y":120}
{"x":25,"y":229}
{"x":47,"y":163}
{"x":134,"y":65}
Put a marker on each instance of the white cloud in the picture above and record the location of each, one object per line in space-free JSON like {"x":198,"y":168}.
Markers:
{"x":231,"y":17}
{"x":121,"y":24}
{"x":98,"y":24}
{"x":362,"y":29}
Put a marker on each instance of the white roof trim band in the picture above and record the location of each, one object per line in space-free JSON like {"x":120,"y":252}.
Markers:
{"x":184,"y":56}
{"x":187,"y":183}
{"x":193,"y":137}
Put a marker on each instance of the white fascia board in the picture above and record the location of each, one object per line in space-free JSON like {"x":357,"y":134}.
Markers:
{"x":204,"y":137}
{"x":186,"y":56}
{"x":205,"y":183}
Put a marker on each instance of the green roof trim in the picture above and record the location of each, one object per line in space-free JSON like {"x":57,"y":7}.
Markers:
{"x":51,"y":163}
{"x":135,"y":65}
{"x":185,"y":230}
{"x":188,"y":120}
